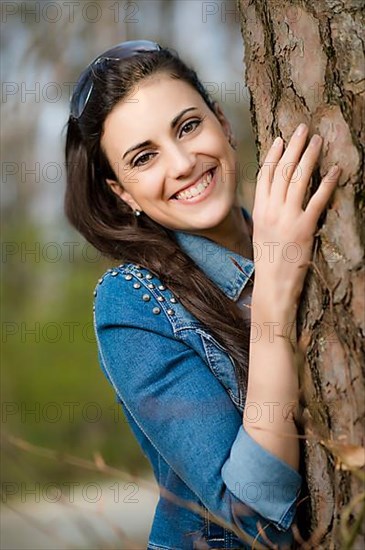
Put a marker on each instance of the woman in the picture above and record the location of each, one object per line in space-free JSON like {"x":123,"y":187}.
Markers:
{"x":208,"y":385}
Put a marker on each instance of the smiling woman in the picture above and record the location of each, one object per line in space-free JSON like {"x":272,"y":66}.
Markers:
{"x":178,"y":167}
{"x":152,"y":183}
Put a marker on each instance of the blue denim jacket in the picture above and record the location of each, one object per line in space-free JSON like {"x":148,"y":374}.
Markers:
{"x":177,"y":387}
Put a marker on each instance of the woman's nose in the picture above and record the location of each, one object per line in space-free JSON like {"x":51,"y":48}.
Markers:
{"x":180,"y":162}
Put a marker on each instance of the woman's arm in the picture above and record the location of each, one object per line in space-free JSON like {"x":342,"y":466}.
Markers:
{"x":283,"y":236}
{"x":272,"y":391}
{"x":184,"y":410}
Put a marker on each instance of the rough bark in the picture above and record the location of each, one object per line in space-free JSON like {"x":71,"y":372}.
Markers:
{"x":305,"y":63}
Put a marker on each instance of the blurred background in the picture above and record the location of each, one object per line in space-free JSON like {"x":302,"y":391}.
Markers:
{"x":72,"y":474}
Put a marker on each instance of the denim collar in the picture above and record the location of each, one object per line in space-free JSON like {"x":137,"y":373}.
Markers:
{"x":228,"y":270}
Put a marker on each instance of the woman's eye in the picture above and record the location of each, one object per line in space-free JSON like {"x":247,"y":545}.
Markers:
{"x":185,"y":129}
{"x":143,"y":159}
{"x":190,"y":126}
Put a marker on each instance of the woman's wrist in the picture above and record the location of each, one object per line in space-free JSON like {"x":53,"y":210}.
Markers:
{"x":270,"y":305}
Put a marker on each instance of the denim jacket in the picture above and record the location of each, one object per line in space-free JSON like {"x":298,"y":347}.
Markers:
{"x":177,"y":387}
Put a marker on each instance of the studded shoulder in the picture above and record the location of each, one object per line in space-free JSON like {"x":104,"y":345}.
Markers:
{"x":148,"y":287}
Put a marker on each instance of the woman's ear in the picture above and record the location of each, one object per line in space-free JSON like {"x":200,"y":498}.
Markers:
{"x":119,"y":190}
{"x":224,"y":123}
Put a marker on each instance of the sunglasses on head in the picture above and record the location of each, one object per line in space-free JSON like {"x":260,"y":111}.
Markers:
{"x":85,"y":84}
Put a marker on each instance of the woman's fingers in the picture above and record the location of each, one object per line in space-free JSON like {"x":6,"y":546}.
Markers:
{"x":266,"y":173}
{"x":320,"y":198}
{"x":284,"y":178}
{"x":300,"y":179}
{"x":288,"y":164}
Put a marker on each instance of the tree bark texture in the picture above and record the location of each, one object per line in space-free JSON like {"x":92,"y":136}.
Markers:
{"x":305,"y":63}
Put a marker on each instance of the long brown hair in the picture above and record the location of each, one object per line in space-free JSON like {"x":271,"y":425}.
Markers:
{"x":110,"y":225}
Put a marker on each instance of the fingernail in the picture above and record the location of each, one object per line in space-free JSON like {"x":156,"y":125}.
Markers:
{"x":315,"y":140}
{"x":277,"y":142}
{"x":301,"y":129}
{"x":334,"y":170}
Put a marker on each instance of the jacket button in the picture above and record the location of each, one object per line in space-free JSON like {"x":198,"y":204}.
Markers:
{"x":170,"y":311}
{"x":156,"y":310}
{"x":146,"y":297}
{"x":136,"y":285}
{"x":128,"y":277}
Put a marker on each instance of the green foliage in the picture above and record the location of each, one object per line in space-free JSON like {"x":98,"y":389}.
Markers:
{"x":54,"y":393}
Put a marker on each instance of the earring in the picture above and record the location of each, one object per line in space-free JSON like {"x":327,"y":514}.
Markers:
{"x":137,"y":212}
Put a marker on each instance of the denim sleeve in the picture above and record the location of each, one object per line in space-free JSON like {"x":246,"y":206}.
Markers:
{"x":272,"y":476}
{"x":187,"y":414}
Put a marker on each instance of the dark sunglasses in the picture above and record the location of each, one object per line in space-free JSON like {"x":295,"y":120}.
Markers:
{"x":85,"y":84}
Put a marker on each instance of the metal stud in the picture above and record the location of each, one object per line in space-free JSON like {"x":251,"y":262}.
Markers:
{"x":161,"y":287}
{"x":140,"y":275}
{"x":146,"y":297}
{"x":95,"y":293}
{"x":128,"y":277}
{"x":160,"y":298}
{"x":100,"y":280}
{"x":151,"y":285}
{"x":173,"y":300}
{"x":156,"y":310}
{"x":114,"y":273}
{"x":137,"y":266}
{"x":149,"y":276}
{"x":170,"y":312}
{"x":136,"y":285}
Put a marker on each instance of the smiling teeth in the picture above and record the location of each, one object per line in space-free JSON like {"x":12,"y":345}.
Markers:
{"x":195,"y":190}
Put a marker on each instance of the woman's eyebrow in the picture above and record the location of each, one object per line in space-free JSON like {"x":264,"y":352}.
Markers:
{"x":147,"y":143}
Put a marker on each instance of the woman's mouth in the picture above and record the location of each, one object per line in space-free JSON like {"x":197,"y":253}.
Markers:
{"x":196,"y":193}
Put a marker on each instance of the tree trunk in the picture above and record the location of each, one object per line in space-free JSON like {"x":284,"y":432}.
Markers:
{"x":305,"y":63}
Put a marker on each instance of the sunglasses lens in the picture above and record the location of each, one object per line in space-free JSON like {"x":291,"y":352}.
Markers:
{"x":81,"y":94}
{"x":127,"y":49}
{"x":85,"y":84}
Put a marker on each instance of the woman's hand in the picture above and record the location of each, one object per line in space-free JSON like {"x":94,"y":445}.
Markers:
{"x":282,"y":231}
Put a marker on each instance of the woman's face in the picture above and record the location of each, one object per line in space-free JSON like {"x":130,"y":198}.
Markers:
{"x":162,"y":140}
